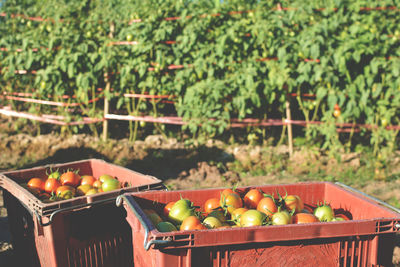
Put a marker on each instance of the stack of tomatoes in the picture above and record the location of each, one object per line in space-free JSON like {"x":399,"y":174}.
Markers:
{"x":68,"y":184}
{"x":231,"y":209}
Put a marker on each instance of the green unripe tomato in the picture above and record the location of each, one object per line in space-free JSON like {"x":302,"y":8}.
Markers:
{"x":324,"y":213}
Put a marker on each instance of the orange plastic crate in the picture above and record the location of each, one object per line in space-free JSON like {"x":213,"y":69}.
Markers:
{"x":366,"y":240}
{"x":83,"y":231}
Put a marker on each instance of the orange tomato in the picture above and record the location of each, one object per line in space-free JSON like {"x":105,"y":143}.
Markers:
{"x":97,"y":184}
{"x":228,"y":191}
{"x":37,"y":183}
{"x":63,"y":188}
{"x":304,"y":218}
{"x":70,"y":178}
{"x":252,"y":198}
{"x":236,"y":214}
{"x":267,"y":206}
{"x":231,"y":202}
{"x":167,"y":208}
{"x":87,"y":179}
{"x":191,"y":223}
{"x":51,"y":185}
{"x":211,"y":204}
{"x":294,"y":202}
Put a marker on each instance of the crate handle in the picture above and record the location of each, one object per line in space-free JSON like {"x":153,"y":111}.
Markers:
{"x":39,"y":217}
{"x":397,"y":225}
{"x":147,"y":243}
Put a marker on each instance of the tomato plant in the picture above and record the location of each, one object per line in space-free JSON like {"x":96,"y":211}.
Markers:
{"x":217,"y":67}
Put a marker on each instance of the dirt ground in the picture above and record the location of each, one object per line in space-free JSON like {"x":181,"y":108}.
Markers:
{"x":180,"y":166}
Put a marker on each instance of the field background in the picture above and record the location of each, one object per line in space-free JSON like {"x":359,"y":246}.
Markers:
{"x":212,"y":93}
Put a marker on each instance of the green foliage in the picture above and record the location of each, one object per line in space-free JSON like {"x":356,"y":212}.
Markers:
{"x":338,"y":51}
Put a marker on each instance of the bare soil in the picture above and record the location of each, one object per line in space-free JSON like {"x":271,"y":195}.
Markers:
{"x":181,"y":166}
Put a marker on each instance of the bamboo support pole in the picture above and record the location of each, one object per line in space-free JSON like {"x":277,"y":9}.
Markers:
{"x":289,"y":128}
{"x":106,"y":92}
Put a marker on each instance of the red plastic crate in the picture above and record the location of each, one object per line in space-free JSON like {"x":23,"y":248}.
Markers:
{"x":83,"y":231}
{"x":366,"y":240}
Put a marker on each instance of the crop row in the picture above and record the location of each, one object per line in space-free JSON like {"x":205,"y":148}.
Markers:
{"x":246,"y":59}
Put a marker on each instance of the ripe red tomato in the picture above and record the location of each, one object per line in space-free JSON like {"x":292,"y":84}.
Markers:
{"x":252,"y":218}
{"x":167,"y":208}
{"x":51,"y":185}
{"x":211,"y":204}
{"x":267,"y":206}
{"x":70,"y":178}
{"x":190,"y":223}
{"x":252,"y":198}
{"x":87,"y":179}
{"x":304,"y":218}
{"x":37,"y":183}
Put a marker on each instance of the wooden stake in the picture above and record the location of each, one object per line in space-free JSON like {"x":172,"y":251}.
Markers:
{"x":289,"y":128}
{"x":106,"y":91}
